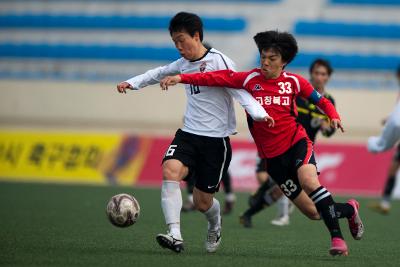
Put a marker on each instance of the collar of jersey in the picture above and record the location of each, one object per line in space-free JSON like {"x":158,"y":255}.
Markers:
{"x":205,"y":54}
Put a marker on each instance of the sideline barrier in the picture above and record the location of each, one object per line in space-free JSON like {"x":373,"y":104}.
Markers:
{"x":136,"y":160}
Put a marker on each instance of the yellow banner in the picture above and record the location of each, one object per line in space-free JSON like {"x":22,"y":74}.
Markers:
{"x":71,"y":157}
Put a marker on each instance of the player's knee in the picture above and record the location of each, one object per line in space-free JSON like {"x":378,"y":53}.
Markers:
{"x":172,"y":172}
{"x":314,"y":216}
{"x":202,"y":205}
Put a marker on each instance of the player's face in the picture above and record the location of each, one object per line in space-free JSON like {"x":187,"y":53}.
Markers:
{"x":319,"y":77}
{"x":271,"y":63}
{"x":186,"y":45}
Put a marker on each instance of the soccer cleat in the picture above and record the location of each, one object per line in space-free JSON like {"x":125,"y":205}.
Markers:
{"x":213,"y":240}
{"x":281,"y":221}
{"x":355,"y":224}
{"x":378,"y":207}
{"x":338,"y":247}
{"x":168,"y":241}
{"x":245,"y":221}
{"x":228,"y":207}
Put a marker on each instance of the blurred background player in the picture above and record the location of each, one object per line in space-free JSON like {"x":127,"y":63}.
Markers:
{"x":378,"y":144}
{"x":202,"y":146}
{"x":314,"y":121}
{"x":286,"y":146}
{"x":230,"y":197}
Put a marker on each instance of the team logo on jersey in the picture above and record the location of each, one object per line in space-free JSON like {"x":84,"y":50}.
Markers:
{"x":257,"y":87}
{"x":203,"y":67}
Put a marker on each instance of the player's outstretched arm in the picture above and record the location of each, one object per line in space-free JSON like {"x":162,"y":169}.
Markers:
{"x":390,"y":134}
{"x":150,"y":77}
{"x":307,"y":91}
{"x":219,"y":78}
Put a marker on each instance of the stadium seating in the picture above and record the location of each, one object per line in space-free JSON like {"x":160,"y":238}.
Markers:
{"x":356,"y":35}
{"x":348,"y":30}
{"x":366,"y":2}
{"x":79,"y":21}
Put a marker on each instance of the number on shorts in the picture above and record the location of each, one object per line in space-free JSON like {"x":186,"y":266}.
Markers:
{"x":171,"y":150}
{"x":288,"y":187}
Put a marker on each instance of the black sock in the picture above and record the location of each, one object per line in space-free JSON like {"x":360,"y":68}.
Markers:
{"x":344,"y":210}
{"x":257,"y":207}
{"x":326,"y":208}
{"x":263,"y":188}
{"x":389,"y":186}
{"x":226,"y":181}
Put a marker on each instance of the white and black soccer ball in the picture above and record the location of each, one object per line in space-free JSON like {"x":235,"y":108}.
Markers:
{"x":123,"y":210}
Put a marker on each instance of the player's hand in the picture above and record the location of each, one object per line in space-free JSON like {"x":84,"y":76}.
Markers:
{"x":270,"y":121}
{"x":169,"y":81}
{"x":121,"y":87}
{"x":337,"y":124}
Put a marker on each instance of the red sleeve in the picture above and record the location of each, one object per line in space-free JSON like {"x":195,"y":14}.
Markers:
{"x":219,"y":78}
{"x":307,"y":91}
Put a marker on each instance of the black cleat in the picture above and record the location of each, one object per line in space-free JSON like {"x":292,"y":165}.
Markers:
{"x":228,"y":207}
{"x":245,"y":221}
{"x":168,"y":241}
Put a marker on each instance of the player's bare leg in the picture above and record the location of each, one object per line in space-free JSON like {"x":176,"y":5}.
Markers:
{"x":207,"y":204}
{"x":171,"y":202}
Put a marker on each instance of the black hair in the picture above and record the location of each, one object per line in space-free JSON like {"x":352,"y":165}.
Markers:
{"x":398,"y":70}
{"x":187,"y":22}
{"x":282,"y":42}
{"x":321,"y":62}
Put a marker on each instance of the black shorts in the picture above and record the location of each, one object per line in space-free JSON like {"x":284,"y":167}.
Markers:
{"x":396,"y":156}
{"x":261,"y":165}
{"x":283,"y":168}
{"x":207,"y":158}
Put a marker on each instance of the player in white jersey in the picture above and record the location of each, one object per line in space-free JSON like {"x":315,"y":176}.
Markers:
{"x":201,"y":147}
{"x":389,"y":137}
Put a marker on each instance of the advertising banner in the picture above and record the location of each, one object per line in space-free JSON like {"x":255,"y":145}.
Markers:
{"x":113,"y":158}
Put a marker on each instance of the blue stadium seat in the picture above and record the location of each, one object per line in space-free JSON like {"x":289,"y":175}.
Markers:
{"x":80,"y":21}
{"x":151,"y":53}
{"x":82,"y":51}
{"x":345,"y":29}
{"x":349,"y":62}
{"x":366,"y":2}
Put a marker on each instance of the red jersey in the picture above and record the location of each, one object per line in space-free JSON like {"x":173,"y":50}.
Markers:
{"x":277,"y":96}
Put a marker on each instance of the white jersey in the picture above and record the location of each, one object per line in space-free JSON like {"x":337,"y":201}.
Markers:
{"x":209,"y":110}
{"x":390,"y":133}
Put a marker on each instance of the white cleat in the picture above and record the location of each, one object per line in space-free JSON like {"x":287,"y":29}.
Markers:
{"x":281,"y":221}
{"x":213,"y":240}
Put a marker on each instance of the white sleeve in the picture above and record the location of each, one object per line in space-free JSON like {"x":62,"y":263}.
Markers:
{"x":390,"y":133}
{"x":245,"y":99}
{"x":154,"y":76}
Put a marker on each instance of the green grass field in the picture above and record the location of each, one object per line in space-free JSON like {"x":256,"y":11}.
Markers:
{"x":65,"y":225}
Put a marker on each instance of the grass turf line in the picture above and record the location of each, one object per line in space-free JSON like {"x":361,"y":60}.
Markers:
{"x":65,"y":225}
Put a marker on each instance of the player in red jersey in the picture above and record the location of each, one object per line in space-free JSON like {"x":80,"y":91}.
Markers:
{"x":286,"y":147}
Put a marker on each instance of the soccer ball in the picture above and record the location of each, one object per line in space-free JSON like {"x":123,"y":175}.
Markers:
{"x":123,"y":210}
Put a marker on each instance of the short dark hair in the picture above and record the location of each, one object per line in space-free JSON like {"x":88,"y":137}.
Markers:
{"x":321,"y":62}
{"x":188,"y":22}
{"x":282,"y":42}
